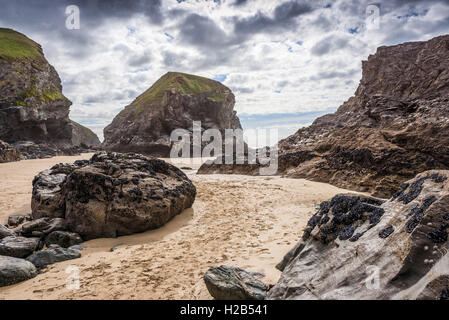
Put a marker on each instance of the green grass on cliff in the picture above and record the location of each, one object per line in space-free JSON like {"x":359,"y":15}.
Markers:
{"x":14,"y":45}
{"x":181,"y":82}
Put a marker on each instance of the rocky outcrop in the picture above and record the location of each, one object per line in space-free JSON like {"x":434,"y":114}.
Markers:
{"x":359,"y":247}
{"x":8,"y":153}
{"x":30,"y":150}
{"x":173,"y":102}
{"x":395,"y":126}
{"x":14,"y":270}
{"x":82,"y":136}
{"x":112,"y":194}
{"x":32,"y":106}
{"x":231,"y":283}
{"x":27,"y":243}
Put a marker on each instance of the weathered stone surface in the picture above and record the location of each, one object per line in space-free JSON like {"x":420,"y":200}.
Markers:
{"x":17,"y":219}
{"x":32,"y":106}
{"x":14,"y":270}
{"x":82,"y":136}
{"x":6,"y":232}
{"x":231,"y":283}
{"x":18,"y":247}
{"x":52,"y":255}
{"x":31,"y":150}
{"x":44,"y":226}
{"x":394,"y":127}
{"x":47,"y":199}
{"x":8,"y":153}
{"x":173,"y":102}
{"x":63,"y":239}
{"x":113,"y":194}
{"x":354,"y":238}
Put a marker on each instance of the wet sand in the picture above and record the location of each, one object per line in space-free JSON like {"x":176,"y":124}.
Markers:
{"x":249,"y":222}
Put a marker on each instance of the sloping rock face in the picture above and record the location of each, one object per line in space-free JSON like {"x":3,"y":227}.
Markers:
{"x":82,"y":136}
{"x":8,"y":153}
{"x":173,"y":102}
{"x":231,"y":283}
{"x":32,"y":106}
{"x":358,"y":247}
{"x":112,"y":194}
{"x":394,"y":127}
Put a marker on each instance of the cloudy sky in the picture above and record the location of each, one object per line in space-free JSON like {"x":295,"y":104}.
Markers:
{"x":287,"y":62}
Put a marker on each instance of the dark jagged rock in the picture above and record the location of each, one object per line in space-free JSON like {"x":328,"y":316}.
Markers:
{"x":113,"y":194}
{"x":44,"y":226}
{"x":14,"y":270}
{"x":16,"y":220}
{"x":6,"y":232}
{"x":18,"y":247}
{"x":437,"y":289}
{"x":32,"y":106}
{"x":173,"y":102}
{"x":231,"y":283}
{"x":82,"y":136}
{"x":394,"y":127}
{"x":63,"y":239}
{"x":52,"y":255}
{"x":8,"y":153}
{"x":30,"y":150}
{"x":352,"y":235}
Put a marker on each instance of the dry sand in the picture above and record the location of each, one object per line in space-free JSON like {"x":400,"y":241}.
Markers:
{"x":249,"y":222}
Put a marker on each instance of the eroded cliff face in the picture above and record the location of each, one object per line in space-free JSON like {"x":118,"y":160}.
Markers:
{"x":395,"y":126}
{"x":32,"y":106}
{"x":173,"y":102}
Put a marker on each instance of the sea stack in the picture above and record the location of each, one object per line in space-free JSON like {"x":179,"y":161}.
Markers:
{"x":173,"y":102}
{"x":394,"y":127}
{"x":32,"y":106}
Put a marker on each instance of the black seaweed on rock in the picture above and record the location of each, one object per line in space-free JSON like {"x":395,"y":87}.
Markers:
{"x":385,"y":233}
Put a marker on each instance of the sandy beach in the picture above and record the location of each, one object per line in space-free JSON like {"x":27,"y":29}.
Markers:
{"x":249,"y":222}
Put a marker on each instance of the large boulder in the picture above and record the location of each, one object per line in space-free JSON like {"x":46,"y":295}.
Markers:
{"x":232,"y":283}
{"x":32,"y":106}
{"x":14,"y":270}
{"x":112,"y":194}
{"x":173,"y":102}
{"x":18,"y":247}
{"x":359,"y":247}
{"x":8,"y":153}
{"x":394,"y":127}
{"x":52,"y":255}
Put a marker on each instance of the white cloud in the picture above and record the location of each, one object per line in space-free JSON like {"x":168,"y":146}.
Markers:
{"x":311,"y":62}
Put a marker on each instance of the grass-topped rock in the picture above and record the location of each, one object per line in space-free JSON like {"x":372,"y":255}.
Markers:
{"x":172,"y":102}
{"x":32,"y":105}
